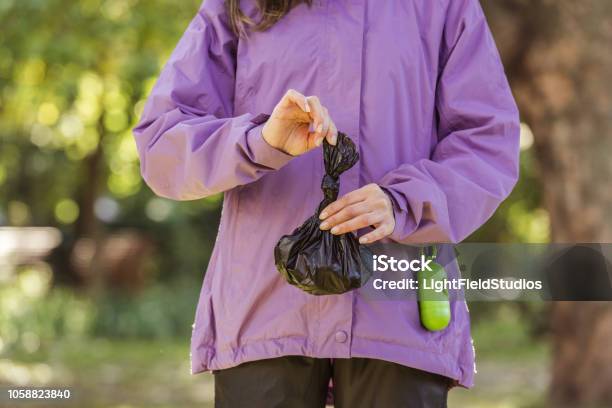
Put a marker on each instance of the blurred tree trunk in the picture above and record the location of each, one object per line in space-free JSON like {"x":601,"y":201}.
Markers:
{"x":88,"y":231}
{"x":87,"y":224}
{"x":558,"y":58}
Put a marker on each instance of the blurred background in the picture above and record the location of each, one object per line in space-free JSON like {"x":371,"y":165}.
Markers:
{"x":99,"y":278}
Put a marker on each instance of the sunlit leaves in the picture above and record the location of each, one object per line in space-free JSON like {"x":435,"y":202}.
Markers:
{"x":116,"y":10}
{"x":73,"y":78}
{"x":528,"y":225}
{"x":41,"y":135}
{"x":126,"y":183}
{"x":33,"y":315}
{"x":48,"y":114}
{"x":34,"y":283}
{"x":125,"y":178}
{"x":70,"y":127}
{"x":87,"y":104}
{"x":66,"y":211}
{"x":30,"y":72}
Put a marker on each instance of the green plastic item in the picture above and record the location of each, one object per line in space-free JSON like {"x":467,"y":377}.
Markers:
{"x":434,"y":307}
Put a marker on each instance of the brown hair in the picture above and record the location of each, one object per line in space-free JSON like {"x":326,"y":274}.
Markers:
{"x":270,"y":11}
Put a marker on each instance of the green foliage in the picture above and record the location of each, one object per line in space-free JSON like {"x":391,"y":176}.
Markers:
{"x":520,"y":217}
{"x":506,"y":327}
{"x":73,"y":79}
{"x":33,"y":316}
{"x":74,"y":76}
{"x":36,"y":316}
{"x":161,"y":312}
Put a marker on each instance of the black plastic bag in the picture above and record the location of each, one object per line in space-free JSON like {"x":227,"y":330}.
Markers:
{"x":317,"y":261}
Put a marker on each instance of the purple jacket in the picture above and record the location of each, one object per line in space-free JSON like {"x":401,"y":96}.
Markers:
{"x":419,"y":87}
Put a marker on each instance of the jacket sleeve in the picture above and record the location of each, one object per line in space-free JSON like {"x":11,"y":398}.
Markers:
{"x":190,"y":144}
{"x":474,"y":166}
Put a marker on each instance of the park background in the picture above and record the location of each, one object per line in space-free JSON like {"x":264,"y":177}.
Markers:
{"x":99,"y":278}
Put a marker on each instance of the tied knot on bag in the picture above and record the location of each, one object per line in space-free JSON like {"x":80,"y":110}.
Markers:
{"x":337,"y":159}
{"x":317,"y":261}
{"x":330,"y":187}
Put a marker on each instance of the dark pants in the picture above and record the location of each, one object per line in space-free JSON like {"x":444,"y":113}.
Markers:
{"x":302,"y":382}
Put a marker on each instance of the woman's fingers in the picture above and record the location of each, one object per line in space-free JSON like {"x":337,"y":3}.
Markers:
{"x":358,"y":222}
{"x":381,"y":231}
{"x":317,"y":112}
{"x":364,"y":207}
{"x":332,"y":134}
{"x":326,"y":125}
{"x":294,"y":97}
{"x":329,"y":130}
{"x":298,"y":124}
{"x":346,"y":200}
{"x":310,"y":110}
{"x":346,"y":214}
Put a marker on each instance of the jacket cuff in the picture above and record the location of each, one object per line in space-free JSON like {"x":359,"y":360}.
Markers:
{"x":404,"y":223}
{"x":261,"y":151}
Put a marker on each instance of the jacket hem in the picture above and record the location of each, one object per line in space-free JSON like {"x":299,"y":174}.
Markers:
{"x":207,"y":358}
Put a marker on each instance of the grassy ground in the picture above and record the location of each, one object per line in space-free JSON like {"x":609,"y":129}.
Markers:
{"x":512,"y":372}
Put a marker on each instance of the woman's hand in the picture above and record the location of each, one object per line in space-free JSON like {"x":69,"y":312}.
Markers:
{"x":364,"y":207}
{"x":299,"y":124}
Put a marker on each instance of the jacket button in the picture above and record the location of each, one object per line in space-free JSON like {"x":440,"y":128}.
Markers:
{"x":341,"y":336}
